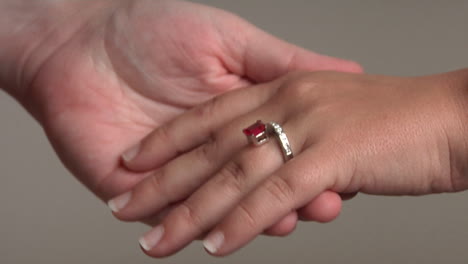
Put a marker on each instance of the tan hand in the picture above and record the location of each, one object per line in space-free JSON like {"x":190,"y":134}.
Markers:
{"x":350,"y":133}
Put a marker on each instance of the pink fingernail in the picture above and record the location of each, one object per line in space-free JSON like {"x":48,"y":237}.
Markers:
{"x":214,"y":242}
{"x":152,"y":238}
{"x":131,"y":153}
{"x":119,"y":202}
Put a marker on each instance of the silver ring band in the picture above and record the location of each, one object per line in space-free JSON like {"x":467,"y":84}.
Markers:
{"x":277,"y":130}
{"x":259,"y":133}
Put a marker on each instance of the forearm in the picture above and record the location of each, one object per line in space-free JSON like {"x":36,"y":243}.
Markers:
{"x":30,"y":31}
{"x":464,"y":119}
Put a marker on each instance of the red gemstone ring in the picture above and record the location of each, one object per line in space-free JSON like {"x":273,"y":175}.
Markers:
{"x":259,"y":133}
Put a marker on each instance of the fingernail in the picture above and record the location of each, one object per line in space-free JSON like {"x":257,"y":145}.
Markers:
{"x":213,"y":242}
{"x":152,"y":238}
{"x":131,"y":153}
{"x":119,"y":202}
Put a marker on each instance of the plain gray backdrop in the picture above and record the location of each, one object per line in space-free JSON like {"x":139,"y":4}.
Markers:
{"x":48,"y":217}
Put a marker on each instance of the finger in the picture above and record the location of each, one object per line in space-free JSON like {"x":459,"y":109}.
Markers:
{"x":217,"y":197}
{"x":297,"y":182}
{"x":194,"y":127}
{"x":284,"y":227}
{"x":261,"y":64}
{"x":317,"y":210}
{"x":182,"y":176}
{"x":324,"y":208}
{"x":155,"y":219}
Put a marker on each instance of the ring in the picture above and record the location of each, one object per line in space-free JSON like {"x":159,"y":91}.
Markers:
{"x":259,"y":133}
{"x":277,"y":130}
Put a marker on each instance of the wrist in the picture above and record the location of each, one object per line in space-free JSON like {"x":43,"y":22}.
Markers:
{"x":464,"y":120}
{"x":30,"y":32}
{"x":457,"y":132}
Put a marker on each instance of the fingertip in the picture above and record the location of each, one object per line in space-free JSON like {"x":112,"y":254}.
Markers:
{"x":112,"y":206}
{"x":325,"y":208}
{"x":138,"y":159}
{"x":130,"y":160}
{"x":284,"y":227}
{"x":131,"y":153}
{"x":327,"y":63}
{"x":122,"y":208}
{"x":352,"y":67}
{"x":120,"y":202}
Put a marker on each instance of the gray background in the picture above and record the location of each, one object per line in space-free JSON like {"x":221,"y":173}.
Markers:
{"x":47,"y":217}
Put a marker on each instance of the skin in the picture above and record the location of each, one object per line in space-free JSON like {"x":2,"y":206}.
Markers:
{"x":350,"y":133}
{"x":99,"y":76}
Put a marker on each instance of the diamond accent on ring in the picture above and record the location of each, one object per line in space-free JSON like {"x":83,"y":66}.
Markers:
{"x":277,"y":130}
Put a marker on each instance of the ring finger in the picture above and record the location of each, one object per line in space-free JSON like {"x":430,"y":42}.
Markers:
{"x":204,"y":208}
{"x":183,"y":175}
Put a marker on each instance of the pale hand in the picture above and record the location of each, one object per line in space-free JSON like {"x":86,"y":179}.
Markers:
{"x":114,"y":71}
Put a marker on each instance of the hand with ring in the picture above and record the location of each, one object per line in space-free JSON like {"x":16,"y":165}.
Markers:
{"x":349,"y":133}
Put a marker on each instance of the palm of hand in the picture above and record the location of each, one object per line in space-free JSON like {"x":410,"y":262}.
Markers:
{"x":137,"y":64}
{"x":116,"y":80}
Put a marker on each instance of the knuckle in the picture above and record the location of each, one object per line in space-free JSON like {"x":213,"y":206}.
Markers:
{"x":207,"y":152}
{"x":280,"y":189}
{"x":300,"y":87}
{"x":156,"y":184}
{"x":164,"y":134}
{"x":302,"y":92}
{"x":190,"y":215}
{"x":247,"y":216}
{"x":232,"y":176}
{"x":207,"y":110}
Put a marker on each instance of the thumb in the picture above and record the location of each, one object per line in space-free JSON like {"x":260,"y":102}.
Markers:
{"x":267,"y":58}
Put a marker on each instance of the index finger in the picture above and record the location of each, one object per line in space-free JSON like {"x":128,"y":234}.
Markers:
{"x":195,"y":127}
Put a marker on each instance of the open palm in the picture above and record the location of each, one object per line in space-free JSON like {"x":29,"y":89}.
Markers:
{"x":133,"y":65}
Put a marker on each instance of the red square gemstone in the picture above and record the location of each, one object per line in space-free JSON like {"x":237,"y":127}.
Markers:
{"x":255,"y":129}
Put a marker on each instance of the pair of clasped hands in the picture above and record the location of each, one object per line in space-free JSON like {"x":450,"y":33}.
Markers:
{"x":146,"y":102}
